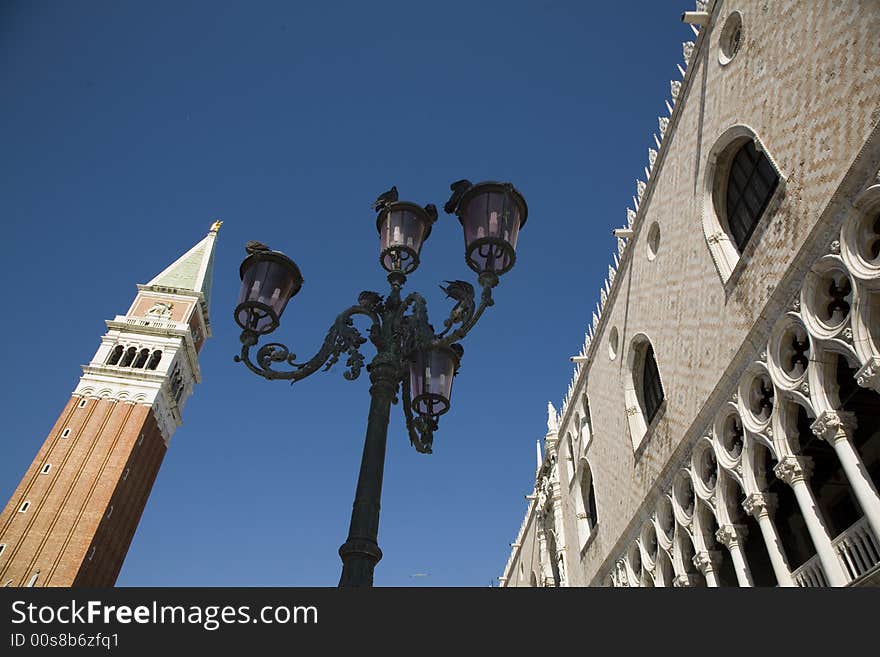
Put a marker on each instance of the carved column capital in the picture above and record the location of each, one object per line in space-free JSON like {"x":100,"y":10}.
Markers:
{"x":684,"y":581}
{"x":730,"y":536}
{"x":868,"y":375}
{"x":758,"y":503}
{"x":619,"y":576}
{"x":832,"y":426}
{"x":705,"y":561}
{"x":792,"y":469}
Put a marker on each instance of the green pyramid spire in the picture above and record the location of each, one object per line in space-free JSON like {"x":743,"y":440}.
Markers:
{"x":194,"y":270}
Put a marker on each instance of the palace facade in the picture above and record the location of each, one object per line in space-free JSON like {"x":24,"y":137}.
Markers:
{"x":722,"y":425}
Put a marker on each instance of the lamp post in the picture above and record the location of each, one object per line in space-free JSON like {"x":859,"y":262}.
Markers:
{"x":410,"y":356}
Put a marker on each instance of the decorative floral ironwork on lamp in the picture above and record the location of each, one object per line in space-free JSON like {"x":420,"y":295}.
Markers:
{"x":411,"y":357}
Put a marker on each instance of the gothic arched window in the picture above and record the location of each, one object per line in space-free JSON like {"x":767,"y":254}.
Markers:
{"x":750,"y":184}
{"x":586,"y":427}
{"x":585,"y":505}
{"x":588,"y":496}
{"x":652,"y":388}
{"x":643,"y":390}
{"x":115,"y":355}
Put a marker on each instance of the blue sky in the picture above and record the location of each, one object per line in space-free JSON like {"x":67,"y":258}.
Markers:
{"x":127,"y":128}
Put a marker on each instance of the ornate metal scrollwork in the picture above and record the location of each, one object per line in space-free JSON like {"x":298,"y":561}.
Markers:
{"x":398,"y":327}
{"x":342,"y":338}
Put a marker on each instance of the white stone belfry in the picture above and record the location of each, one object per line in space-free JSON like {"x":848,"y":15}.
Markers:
{"x":149,"y":355}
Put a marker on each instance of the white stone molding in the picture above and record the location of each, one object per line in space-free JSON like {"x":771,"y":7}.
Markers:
{"x":754,"y":385}
{"x":858,"y":233}
{"x":815,"y":297}
{"x":721,"y":246}
{"x":682,"y":499}
{"x":788,"y":335}
{"x":703,"y":471}
{"x":728,"y":450}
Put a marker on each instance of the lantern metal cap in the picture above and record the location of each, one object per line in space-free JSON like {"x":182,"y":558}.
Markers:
{"x":412,"y":207}
{"x":493,"y":186}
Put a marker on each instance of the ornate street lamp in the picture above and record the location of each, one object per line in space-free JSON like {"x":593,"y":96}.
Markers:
{"x":410,"y":356}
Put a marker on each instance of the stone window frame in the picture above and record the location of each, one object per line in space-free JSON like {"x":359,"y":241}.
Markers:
{"x":634,"y":407}
{"x":587,"y":525}
{"x":728,"y":260}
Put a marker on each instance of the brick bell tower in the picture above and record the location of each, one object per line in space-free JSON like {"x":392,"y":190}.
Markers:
{"x":71,"y":519}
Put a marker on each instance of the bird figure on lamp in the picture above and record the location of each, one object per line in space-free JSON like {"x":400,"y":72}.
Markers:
{"x":253,"y":247}
{"x":459,"y":187}
{"x":385,"y":199}
{"x":431,"y":211}
{"x":463,"y":293}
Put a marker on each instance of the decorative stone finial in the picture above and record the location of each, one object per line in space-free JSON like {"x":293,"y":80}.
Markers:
{"x":687,"y":49}
{"x":664,"y":123}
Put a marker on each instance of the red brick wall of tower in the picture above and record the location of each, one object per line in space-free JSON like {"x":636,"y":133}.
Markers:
{"x":83,"y":513}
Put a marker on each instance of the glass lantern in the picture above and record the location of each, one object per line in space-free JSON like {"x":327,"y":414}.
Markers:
{"x":269,"y":279}
{"x":491,"y":214}
{"x":403,"y":228}
{"x":430,"y":379}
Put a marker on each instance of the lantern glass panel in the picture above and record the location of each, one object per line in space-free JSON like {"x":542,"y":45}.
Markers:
{"x":400,"y":227}
{"x":431,"y":381}
{"x":271,"y":282}
{"x":495,"y":215}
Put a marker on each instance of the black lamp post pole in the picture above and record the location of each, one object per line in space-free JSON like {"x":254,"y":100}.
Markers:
{"x":406,"y":343}
{"x":360,"y":553}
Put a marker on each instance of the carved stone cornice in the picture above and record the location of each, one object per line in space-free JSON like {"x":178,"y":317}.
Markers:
{"x":758,"y":503}
{"x":730,"y":536}
{"x":792,"y":469}
{"x":832,"y":426}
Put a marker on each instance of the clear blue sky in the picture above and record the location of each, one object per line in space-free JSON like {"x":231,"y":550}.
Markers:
{"x":127,"y":127}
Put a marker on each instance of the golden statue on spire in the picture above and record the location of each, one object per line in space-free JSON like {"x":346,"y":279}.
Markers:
{"x":216,"y":226}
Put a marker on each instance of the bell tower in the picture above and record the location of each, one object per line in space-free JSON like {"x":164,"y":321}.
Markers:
{"x":72,"y":518}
